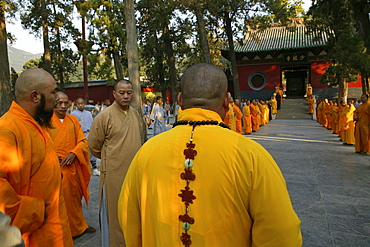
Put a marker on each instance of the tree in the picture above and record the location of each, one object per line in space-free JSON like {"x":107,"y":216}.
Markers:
{"x":52,"y":20}
{"x":133,"y":60}
{"x":6,"y":95}
{"x":346,"y":49}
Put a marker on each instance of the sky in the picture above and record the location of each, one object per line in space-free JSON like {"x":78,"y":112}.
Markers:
{"x":29,"y":43}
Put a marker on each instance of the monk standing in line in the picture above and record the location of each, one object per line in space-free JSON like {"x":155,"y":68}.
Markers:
{"x":254,"y":115}
{"x":71,"y":147}
{"x":362,"y":118}
{"x":273,"y":107}
{"x":335,"y":118}
{"x":349,"y":125}
{"x":238,"y":117}
{"x":30,"y":176}
{"x":247,"y":118}
{"x":311,"y":104}
{"x":115,"y":138}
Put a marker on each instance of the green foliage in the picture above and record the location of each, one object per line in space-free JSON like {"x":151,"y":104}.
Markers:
{"x":33,"y":63}
{"x":346,"y":48}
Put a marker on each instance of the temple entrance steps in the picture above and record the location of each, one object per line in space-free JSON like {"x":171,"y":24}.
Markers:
{"x":295,"y":109}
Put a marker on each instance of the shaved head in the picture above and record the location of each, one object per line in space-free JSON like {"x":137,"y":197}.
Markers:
{"x":203,"y":85}
{"x":31,"y":79}
{"x":60,"y":93}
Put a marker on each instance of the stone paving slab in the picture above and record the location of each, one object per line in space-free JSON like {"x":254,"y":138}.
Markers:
{"x":328,"y":183}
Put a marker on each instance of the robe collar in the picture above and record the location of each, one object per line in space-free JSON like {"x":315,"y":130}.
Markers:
{"x":199,"y":114}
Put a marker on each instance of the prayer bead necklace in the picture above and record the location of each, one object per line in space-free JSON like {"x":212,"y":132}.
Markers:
{"x":187,"y":195}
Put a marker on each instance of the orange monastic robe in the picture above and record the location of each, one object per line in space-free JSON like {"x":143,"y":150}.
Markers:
{"x":335,"y":119}
{"x":230,"y":118}
{"x":247,"y":119}
{"x":311,"y":104}
{"x":68,"y":137}
{"x":254,"y":117}
{"x":362,"y":132}
{"x":238,"y":118}
{"x":349,"y":126}
{"x":30,"y":176}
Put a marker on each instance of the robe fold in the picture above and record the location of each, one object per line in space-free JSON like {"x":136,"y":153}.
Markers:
{"x":237,"y":187}
{"x":238,"y":118}
{"x":115,"y":139}
{"x":349,"y":126}
{"x":68,"y":137}
{"x":362,"y":129}
{"x":30,"y":176}
{"x":247,"y":120}
{"x":254,"y":117}
{"x":311,"y":105}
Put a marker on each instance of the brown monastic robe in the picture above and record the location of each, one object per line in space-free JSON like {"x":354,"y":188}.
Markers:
{"x":115,"y":139}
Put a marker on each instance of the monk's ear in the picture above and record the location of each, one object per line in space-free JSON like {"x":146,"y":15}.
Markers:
{"x":179,"y":101}
{"x":226,"y":102}
{"x":35,"y":96}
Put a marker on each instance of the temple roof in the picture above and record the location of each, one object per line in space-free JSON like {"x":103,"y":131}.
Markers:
{"x":280,"y":38}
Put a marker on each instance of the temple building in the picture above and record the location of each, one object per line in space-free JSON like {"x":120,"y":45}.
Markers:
{"x":288,"y":57}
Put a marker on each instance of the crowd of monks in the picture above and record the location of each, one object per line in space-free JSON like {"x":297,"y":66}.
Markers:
{"x":350,"y":120}
{"x":249,"y":116}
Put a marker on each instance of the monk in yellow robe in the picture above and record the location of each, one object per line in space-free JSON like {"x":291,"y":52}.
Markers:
{"x":225,"y":192}
{"x":247,"y":118}
{"x":311,"y":104}
{"x":230,"y":118}
{"x":349,"y":126}
{"x":335,"y":118}
{"x":30,"y":176}
{"x":71,"y":147}
{"x":261,"y":113}
{"x":328,"y":109}
{"x":273,"y":107}
{"x":254,"y":115}
{"x":362,"y":118}
{"x":115,"y":138}
{"x":238,"y":117}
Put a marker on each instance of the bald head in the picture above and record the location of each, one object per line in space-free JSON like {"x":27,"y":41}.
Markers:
{"x":203,"y":85}
{"x":32,"y":79}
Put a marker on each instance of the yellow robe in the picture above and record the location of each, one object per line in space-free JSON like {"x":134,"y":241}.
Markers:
{"x":30,"y":176}
{"x":362,"y":113}
{"x":349,"y":126}
{"x":335,"y":119}
{"x":230,"y":119}
{"x":68,"y":137}
{"x":237,"y":186}
{"x":311,"y":104}
{"x":114,"y":138}
{"x":247,"y":120}
{"x":273,"y":106}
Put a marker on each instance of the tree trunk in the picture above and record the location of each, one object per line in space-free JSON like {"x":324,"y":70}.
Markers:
{"x":59,"y":55}
{"x":171,"y":64}
{"x":365,"y":85}
{"x":234,"y":69}
{"x":133,"y":61}
{"x":342,"y":89}
{"x":45,"y":36}
{"x":117,"y":65}
{"x":6,"y":95}
{"x":203,"y":35}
